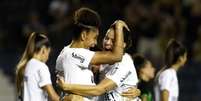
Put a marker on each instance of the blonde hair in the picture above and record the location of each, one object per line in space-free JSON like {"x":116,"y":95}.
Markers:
{"x":35,"y":42}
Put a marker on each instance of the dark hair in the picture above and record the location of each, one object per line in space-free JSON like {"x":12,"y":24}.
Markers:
{"x":41,"y":40}
{"x":139,"y":61}
{"x":127,"y":37}
{"x":85,"y":19}
{"x":34,"y":44}
{"x":173,"y":51}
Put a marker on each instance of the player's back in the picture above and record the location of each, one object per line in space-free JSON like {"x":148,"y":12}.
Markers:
{"x":36,"y":76}
{"x":74,"y":62}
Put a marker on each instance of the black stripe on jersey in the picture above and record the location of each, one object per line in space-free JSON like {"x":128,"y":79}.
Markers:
{"x":122,"y":79}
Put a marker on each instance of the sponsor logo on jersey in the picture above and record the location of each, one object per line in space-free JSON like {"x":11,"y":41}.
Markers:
{"x":81,"y":58}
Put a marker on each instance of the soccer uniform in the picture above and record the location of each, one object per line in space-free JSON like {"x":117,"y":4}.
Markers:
{"x":167,"y":80}
{"x":123,"y":74}
{"x":36,"y":76}
{"x":74,"y":62}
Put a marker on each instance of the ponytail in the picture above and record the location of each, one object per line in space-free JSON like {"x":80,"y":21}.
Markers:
{"x":173,"y":51}
{"x":35,"y":42}
{"x":28,"y":53}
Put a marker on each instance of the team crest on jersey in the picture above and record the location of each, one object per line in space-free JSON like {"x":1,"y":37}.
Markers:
{"x":81,"y":58}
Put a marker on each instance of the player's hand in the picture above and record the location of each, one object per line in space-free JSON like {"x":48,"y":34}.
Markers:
{"x":60,"y":81}
{"x":131,"y":93}
{"x":120,"y":24}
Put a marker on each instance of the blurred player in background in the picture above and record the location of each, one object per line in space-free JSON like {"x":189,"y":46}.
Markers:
{"x":33,"y":79}
{"x":167,"y":87}
{"x":146,"y":72}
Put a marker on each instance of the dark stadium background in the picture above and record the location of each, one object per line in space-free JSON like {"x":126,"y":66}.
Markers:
{"x":152,"y":23}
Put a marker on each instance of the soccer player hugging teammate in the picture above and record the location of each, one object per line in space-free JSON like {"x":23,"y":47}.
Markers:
{"x":119,"y":75}
{"x":76,"y":58}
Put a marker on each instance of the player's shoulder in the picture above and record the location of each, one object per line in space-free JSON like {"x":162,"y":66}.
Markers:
{"x":63,"y":52}
{"x":80,"y":51}
{"x":37,"y":64}
{"x":126,"y":62}
{"x":67,"y":50}
{"x":127,"y":58}
{"x":166,"y":72}
{"x":169,"y":70}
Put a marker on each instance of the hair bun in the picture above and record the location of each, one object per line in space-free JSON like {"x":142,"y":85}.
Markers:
{"x":86,"y":16}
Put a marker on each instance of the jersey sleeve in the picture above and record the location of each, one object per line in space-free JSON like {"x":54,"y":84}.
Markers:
{"x":44,"y":76}
{"x":59,"y":64}
{"x":82,"y":57}
{"x":165,"y":80}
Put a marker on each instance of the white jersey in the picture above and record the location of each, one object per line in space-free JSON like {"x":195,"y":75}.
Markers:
{"x":36,"y":76}
{"x":167,"y":80}
{"x":74,"y":62}
{"x":123,"y":74}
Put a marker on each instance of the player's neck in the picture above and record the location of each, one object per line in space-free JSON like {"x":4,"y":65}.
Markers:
{"x":77,"y":44}
{"x":38,"y":57}
{"x":176,"y":66}
{"x":144,"y":77}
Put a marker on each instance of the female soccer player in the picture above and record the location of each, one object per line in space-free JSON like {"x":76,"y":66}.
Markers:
{"x":146,"y":73}
{"x":76,"y":58}
{"x":167,"y":87}
{"x":32,"y":75}
{"x":118,"y":77}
